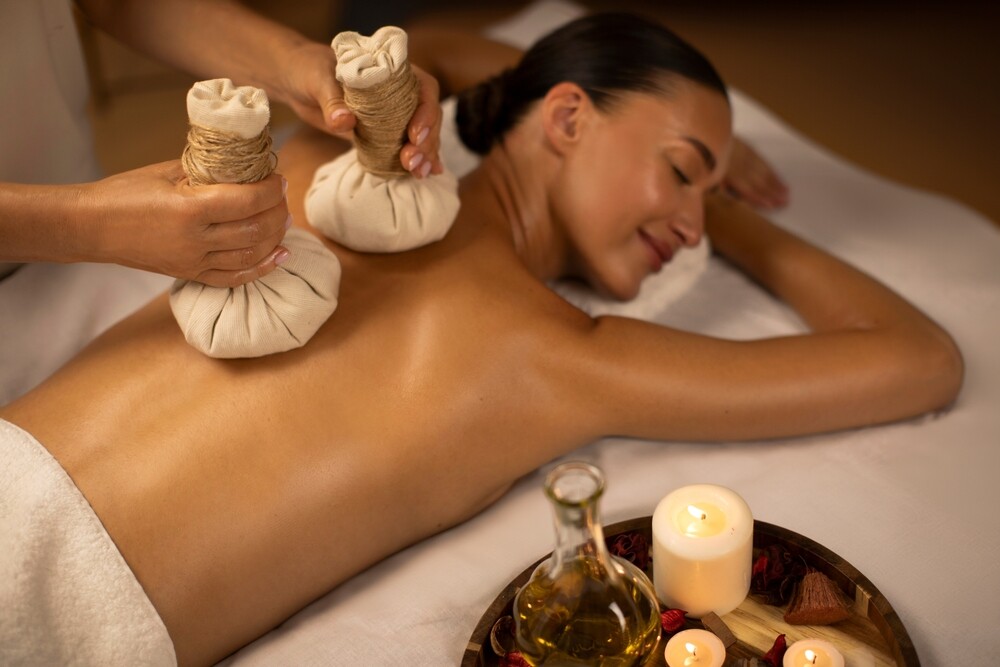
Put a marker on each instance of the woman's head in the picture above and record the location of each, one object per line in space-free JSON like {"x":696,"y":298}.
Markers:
{"x":605,"y":54}
{"x":636,"y":123}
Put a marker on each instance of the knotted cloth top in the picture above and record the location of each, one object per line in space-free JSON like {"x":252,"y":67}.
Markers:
{"x":220,"y":105}
{"x":381,"y":91}
{"x":228,"y":140}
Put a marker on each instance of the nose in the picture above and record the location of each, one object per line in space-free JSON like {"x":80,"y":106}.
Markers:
{"x":689,"y":223}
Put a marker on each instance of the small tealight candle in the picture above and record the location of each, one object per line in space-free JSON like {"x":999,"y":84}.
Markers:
{"x":702,"y":550}
{"x":812,"y":653}
{"x":695,"y":648}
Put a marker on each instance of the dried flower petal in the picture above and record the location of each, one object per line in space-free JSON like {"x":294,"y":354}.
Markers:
{"x":672,"y":620}
{"x":774,"y":575}
{"x":760,"y":565}
{"x":513,"y":659}
{"x":776,"y":655}
{"x":632,"y":546}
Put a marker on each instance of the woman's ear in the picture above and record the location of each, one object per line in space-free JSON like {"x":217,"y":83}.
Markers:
{"x":566,"y":108}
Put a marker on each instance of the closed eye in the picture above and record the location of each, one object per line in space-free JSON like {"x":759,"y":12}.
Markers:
{"x":681,"y":176}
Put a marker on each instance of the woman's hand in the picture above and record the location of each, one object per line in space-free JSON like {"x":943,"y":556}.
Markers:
{"x":311,"y":89}
{"x":151,"y":218}
{"x":751,"y":179}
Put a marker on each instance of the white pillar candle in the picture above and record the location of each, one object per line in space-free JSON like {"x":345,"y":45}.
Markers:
{"x":695,"y":648}
{"x":702,"y":550}
{"x":812,"y":653}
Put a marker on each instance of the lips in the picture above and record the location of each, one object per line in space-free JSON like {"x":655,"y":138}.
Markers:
{"x":661,"y":252}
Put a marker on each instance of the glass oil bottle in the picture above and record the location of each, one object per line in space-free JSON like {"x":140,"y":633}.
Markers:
{"x":583,"y":606}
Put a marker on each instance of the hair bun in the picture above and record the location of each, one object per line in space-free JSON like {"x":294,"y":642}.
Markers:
{"x":480,"y":113}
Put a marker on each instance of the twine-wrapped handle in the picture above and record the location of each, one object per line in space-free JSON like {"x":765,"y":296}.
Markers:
{"x":381,"y":91}
{"x":228,"y":141}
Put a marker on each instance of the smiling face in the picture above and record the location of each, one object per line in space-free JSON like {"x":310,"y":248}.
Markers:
{"x":629,"y":194}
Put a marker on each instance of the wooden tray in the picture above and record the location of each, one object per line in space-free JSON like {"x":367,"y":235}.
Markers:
{"x":873,"y":626}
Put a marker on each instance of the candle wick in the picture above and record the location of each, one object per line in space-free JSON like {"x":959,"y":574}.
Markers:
{"x":704,"y":516}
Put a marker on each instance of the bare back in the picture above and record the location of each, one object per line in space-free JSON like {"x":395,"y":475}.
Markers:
{"x":239,"y":491}
{"x":232,"y":487}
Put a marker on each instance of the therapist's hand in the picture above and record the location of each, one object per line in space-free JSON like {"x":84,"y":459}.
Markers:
{"x":311,"y":89}
{"x":151,"y":218}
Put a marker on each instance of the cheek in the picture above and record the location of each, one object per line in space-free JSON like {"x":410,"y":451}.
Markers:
{"x":601,"y":203}
{"x":615,"y":195}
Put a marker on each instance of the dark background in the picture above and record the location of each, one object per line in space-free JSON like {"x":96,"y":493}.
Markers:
{"x":909,"y":91}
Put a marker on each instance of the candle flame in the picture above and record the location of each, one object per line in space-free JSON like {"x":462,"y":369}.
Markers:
{"x":693,"y":660}
{"x":696,"y":513}
{"x":811,"y":656}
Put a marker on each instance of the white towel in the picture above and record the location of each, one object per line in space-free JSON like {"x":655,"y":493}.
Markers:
{"x":67,"y":597}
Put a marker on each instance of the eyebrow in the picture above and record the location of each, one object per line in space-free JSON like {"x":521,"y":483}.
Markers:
{"x":706,"y":154}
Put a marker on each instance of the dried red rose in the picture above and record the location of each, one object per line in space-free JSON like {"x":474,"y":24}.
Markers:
{"x":776,"y":655}
{"x":513,"y":659}
{"x":632,"y":546}
{"x":672,"y":620}
{"x":774,"y":575}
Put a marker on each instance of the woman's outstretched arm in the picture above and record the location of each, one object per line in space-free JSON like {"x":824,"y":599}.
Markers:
{"x":871,"y":356}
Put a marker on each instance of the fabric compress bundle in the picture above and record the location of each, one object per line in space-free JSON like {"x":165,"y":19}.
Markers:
{"x":229,"y":143}
{"x":365,"y":200}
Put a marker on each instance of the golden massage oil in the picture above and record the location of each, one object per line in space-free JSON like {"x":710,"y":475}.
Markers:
{"x":583,"y":606}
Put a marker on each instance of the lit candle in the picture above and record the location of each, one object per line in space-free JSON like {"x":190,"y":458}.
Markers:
{"x":702,"y":550}
{"x":812,"y":653}
{"x":695,"y":648}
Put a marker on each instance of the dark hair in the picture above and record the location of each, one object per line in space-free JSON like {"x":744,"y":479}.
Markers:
{"x":604,"y":53}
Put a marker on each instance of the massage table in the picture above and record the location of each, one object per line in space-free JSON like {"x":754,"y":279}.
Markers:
{"x":914,"y":505}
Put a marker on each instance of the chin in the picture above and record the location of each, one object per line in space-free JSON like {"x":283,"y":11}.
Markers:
{"x":614,"y":282}
{"x":624,"y":290}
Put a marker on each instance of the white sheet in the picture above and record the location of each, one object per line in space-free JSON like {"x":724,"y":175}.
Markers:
{"x":912,"y":505}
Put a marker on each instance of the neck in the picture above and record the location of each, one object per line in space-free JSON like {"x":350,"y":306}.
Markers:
{"x":509,"y":188}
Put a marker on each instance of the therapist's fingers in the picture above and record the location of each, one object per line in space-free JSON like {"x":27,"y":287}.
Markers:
{"x":228,"y":202}
{"x":235,"y":278}
{"x":240,"y":259}
{"x":420,"y":156}
{"x":251,"y":231}
{"x":338,"y":118}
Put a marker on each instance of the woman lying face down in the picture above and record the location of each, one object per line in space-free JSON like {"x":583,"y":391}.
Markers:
{"x":231,"y":486}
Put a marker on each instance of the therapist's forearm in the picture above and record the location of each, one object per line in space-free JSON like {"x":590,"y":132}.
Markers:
{"x":207,"y":38}
{"x":40,"y":223}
